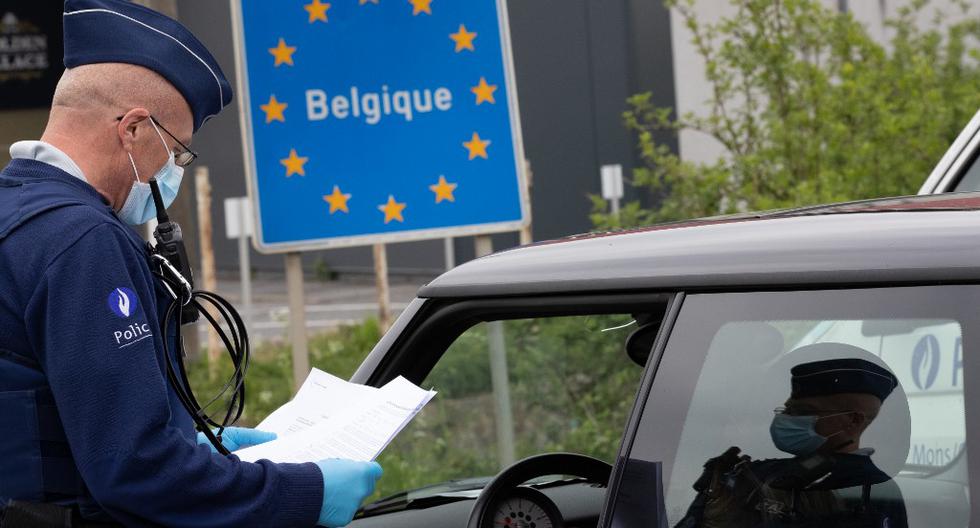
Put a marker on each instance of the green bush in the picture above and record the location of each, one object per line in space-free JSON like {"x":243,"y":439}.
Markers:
{"x":269,"y":382}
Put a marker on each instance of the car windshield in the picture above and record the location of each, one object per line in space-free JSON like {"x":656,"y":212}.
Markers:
{"x":511,"y":389}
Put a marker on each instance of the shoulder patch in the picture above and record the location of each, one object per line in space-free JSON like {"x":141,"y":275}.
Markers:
{"x":123,"y":302}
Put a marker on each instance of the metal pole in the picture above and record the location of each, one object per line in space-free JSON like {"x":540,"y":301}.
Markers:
{"x":209,"y":275}
{"x":526,"y":236}
{"x":615,"y":207}
{"x":449,"y":250}
{"x":245,"y":266}
{"x":381,"y":279}
{"x":506,"y":453}
{"x":297,"y":318}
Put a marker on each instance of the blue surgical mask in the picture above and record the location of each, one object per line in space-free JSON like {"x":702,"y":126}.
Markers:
{"x":139,"y":207}
{"x":797,"y":435}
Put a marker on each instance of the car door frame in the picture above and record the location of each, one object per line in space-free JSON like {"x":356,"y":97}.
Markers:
{"x":636,"y":413}
{"x":428,"y":327}
{"x":960,"y":156}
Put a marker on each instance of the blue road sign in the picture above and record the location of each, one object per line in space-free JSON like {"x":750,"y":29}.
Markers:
{"x":371,"y":121}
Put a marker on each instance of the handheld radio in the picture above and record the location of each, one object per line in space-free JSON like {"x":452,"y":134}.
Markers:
{"x":170,"y":245}
{"x":170,"y":264}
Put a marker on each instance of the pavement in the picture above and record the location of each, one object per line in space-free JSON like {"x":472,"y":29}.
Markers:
{"x":329,"y":304}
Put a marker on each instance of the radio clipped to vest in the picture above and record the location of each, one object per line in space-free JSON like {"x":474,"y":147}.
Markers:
{"x":170,"y":247}
{"x":169,"y":262}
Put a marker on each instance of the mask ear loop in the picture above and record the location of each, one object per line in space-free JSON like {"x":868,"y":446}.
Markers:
{"x":842,"y":444}
{"x":166,"y":147}
{"x":133,"y":163}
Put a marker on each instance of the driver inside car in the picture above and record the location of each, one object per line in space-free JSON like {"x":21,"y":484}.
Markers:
{"x":831,"y":479}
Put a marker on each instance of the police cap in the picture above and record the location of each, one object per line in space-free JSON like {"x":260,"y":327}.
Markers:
{"x":100,"y":31}
{"x":837,"y":376}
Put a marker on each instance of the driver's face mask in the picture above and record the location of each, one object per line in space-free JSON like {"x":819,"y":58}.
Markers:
{"x":797,"y":435}
{"x":139,"y":208}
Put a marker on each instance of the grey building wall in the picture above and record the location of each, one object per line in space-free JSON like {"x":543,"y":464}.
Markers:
{"x":576,"y":63}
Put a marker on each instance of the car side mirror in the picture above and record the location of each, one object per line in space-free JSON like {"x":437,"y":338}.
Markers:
{"x":639,"y":343}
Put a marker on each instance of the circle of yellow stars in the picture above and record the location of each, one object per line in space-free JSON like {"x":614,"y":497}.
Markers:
{"x":294,"y":164}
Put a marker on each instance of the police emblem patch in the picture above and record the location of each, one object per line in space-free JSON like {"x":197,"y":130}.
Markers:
{"x":122,"y":302}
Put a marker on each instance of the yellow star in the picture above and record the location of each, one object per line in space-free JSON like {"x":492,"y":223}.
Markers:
{"x":463,"y":39}
{"x":274,"y":110}
{"x":421,"y":6}
{"x":317,"y":10}
{"x":337,"y":200}
{"x":392,"y":210}
{"x":283,"y":53}
{"x":444,"y":190}
{"x":294,"y":164}
{"x":477,"y":146}
{"x":484,"y":92}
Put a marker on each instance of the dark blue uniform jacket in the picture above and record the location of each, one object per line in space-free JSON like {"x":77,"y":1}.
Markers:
{"x":86,"y":414}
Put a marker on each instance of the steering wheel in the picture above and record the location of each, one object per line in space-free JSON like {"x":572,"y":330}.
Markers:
{"x":506,"y":481}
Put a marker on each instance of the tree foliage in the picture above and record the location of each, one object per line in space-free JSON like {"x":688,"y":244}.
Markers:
{"x":809,"y":108}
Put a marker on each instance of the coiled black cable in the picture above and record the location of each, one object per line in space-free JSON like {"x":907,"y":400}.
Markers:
{"x":236,"y":343}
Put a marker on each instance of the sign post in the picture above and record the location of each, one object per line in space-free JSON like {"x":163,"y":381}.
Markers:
{"x":209,"y":275}
{"x":500,"y":380}
{"x":381,"y":280}
{"x":527,"y":234}
{"x":238,"y":225}
{"x":449,"y":253}
{"x":297,"y":318}
{"x":612,"y":185}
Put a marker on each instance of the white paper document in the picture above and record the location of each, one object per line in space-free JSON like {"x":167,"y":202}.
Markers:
{"x":333,"y":418}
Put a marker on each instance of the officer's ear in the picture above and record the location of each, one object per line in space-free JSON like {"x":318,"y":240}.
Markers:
{"x":128,"y":127}
{"x":857,"y":420}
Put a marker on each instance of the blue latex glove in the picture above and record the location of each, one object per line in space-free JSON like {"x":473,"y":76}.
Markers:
{"x":235,"y":438}
{"x":346,"y":483}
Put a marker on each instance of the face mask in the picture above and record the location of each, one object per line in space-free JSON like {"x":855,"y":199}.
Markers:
{"x":139,"y":207}
{"x":796,"y":435}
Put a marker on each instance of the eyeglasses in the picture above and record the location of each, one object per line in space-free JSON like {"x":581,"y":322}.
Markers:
{"x":791,"y":411}
{"x":183,"y":157}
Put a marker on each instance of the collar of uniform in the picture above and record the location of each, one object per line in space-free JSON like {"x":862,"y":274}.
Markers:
{"x":46,"y":153}
{"x":26,"y":168}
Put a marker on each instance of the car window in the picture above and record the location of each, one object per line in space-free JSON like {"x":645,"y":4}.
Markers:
{"x":569,"y":384}
{"x":895,"y":456}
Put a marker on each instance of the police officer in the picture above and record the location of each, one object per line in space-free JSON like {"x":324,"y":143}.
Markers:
{"x":89,"y":422}
{"x":831,"y":480}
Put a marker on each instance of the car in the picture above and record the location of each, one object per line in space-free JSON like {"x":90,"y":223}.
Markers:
{"x":587,"y":381}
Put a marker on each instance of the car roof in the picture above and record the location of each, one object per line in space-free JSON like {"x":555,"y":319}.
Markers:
{"x":899,"y":240}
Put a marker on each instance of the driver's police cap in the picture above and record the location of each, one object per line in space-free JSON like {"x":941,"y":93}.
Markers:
{"x":102,"y":31}
{"x":839,"y":376}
